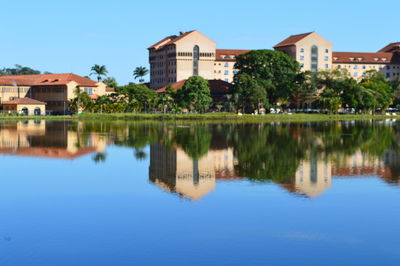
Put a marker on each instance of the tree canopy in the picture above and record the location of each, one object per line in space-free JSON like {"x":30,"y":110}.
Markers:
{"x":100,"y":71}
{"x":275,"y":71}
{"x":195,"y":94}
{"x":19,"y":70}
{"x":140,"y":72}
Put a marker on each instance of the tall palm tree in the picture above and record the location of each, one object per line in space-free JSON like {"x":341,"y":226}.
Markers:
{"x":140,"y":72}
{"x":99,"y":71}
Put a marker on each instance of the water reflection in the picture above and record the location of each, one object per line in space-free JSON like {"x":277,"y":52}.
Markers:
{"x":175,"y":171}
{"x":188,"y":159}
{"x":57,"y":140}
{"x":302,"y":158}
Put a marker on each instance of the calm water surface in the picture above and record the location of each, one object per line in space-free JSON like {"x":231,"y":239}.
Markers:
{"x":199,"y":194}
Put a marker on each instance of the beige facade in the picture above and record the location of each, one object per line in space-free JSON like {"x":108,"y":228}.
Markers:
{"x":174,"y":171}
{"x":315,"y":53}
{"x":10,"y":92}
{"x":358,"y":66}
{"x":53,"y":89}
{"x":27,"y":138}
{"x":25,"y":106}
{"x":312,"y":51}
{"x":177,"y":58}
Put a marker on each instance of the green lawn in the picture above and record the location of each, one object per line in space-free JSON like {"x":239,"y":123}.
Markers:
{"x":218,"y":117}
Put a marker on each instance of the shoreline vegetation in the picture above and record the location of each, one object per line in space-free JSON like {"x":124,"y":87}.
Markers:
{"x":212,"y":117}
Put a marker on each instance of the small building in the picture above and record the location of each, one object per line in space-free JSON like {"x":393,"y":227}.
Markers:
{"x":56,"y":90}
{"x":218,"y":88}
{"x":25,"y":106}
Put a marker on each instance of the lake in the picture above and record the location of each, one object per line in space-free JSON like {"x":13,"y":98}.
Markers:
{"x":154,"y":193}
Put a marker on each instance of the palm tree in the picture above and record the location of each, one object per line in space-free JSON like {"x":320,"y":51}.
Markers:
{"x":140,"y":72}
{"x":110,"y":82}
{"x":99,"y":157}
{"x":140,"y":154}
{"x":99,"y":71}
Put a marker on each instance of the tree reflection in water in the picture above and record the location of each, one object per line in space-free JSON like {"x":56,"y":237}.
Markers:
{"x":190,"y":156}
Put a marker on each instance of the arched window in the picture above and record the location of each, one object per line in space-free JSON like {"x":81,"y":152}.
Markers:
{"x":196,"y":57}
{"x":25,"y":111}
{"x":37,"y":111}
{"x":314,"y":58}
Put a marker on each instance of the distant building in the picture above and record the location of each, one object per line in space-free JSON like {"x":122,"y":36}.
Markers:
{"x":218,"y":88}
{"x":176,"y":58}
{"x":53,"y":89}
{"x":25,"y":106}
{"x":315,"y":53}
{"x":311,"y":51}
{"x":179,"y":57}
{"x":36,"y":138}
{"x":174,"y":171}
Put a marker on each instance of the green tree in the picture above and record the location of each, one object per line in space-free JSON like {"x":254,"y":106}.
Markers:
{"x":383,"y":92}
{"x":99,"y":70}
{"x":81,"y":102}
{"x":274,"y":70}
{"x":306,"y":88}
{"x":139,"y":73}
{"x":19,"y":70}
{"x":330,"y":100}
{"x":110,"y":82}
{"x":252,"y":94}
{"x":195,"y":94}
{"x":147,"y":97}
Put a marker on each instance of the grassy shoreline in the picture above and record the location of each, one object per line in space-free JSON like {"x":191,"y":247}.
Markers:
{"x":217,"y":117}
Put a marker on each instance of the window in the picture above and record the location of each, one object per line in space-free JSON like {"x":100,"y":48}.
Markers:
{"x":302,"y":57}
{"x":301,"y":65}
{"x":226,"y":72}
{"x":226,"y":65}
{"x":196,"y":55}
{"x":88,"y":91}
{"x":301,"y":50}
{"x":388,"y":75}
{"x":326,"y":50}
{"x":356,"y":74}
{"x":37,"y":111}
{"x":25,"y":111}
{"x":226,"y":80}
{"x":314,"y":58}
{"x":235,"y":72}
{"x":355,"y":67}
{"x":326,"y":66}
{"x":326,"y":58}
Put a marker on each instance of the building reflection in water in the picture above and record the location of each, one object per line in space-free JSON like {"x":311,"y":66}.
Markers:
{"x":48,"y":139}
{"x":174,"y":171}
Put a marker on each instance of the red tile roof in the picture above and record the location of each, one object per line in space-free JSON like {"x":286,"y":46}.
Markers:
{"x":391,"y":47}
{"x":228,"y":54}
{"x":47,"y":79}
{"x":292,"y":40}
{"x":169,"y":40}
{"x":165,"y":40}
{"x":4,"y":80}
{"x":216,"y":86}
{"x":367,"y":58}
{"x":48,"y":152}
{"x":25,"y":100}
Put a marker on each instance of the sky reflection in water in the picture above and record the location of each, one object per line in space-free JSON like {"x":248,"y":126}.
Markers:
{"x":199,"y":194}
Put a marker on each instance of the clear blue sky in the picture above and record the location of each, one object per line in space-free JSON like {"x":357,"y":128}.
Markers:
{"x":71,"y":36}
